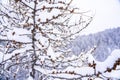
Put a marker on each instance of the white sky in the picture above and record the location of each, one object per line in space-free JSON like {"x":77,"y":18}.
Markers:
{"x":107,"y":14}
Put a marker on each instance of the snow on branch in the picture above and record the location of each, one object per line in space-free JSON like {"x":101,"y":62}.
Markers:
{"x":33,"y":39}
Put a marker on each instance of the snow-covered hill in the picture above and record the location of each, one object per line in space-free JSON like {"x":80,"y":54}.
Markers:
{"x":105,"y":43}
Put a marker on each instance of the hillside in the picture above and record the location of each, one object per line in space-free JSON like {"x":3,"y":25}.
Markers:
{"x":105,"y":42}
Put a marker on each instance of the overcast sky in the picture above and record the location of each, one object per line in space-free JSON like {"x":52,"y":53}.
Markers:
{"x":107,"y":14}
